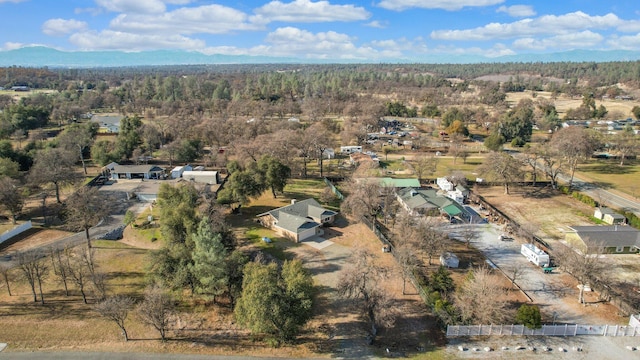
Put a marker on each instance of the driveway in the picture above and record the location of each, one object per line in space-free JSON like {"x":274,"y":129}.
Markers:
{"x":325,"y":257}
{"x":548,"y":291}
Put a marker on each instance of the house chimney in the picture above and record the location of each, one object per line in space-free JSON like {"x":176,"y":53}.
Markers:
{"x":293,"y":201}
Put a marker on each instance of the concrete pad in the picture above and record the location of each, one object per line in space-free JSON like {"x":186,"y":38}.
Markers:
{"x":318,"y":242}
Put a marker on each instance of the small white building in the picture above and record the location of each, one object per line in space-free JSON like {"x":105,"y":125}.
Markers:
{"x":329,"y":153}
{"x":202,"y":177}
{"x":177,"y":171}
{"x":352,"y":149}
{"x":449,"y":260}
{"x":444,"y":184}
{"x":609,"y":216}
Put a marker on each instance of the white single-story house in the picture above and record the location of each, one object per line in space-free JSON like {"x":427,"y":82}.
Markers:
{"x":178,"y":170}
{"x":136,"y":172}
{"x":609,"y":216}
{"x":613,"y":239}
{"x":299,"y":221}
{"x":108,"y":123}
{"x":202,"y":177}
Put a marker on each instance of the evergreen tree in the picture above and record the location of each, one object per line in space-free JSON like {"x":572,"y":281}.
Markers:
{"x":209,"y":257}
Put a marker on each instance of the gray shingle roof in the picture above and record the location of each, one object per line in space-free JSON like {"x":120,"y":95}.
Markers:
{"x":300,"y":215}
{"x":608,"y":236}
{"x":121,"y":169}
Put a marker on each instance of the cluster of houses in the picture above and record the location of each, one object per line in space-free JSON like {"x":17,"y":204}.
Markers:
{"x":209,"y":181}
{"x":302,"y":220}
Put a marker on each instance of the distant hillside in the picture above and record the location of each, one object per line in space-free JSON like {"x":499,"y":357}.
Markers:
{"x":43,"y":56}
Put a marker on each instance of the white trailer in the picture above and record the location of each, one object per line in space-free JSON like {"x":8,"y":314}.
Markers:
{"x":350,"y":149}
{"x":535,"y":255}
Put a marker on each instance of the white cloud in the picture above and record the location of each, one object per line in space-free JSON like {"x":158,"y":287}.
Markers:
{"x":378,"y":24}
{"x":136,"y":6}
{"x":548,"y":24}
{"x":401,"y":45}
{"x":12,"y":45}
{"x":209,"y":19}
{"x":628,"y":42}
{"x":517,"y":10}
{"x":294,"y":42}
{"x":399,"y":5}
{"x":584,"y":39}
{"x":495,"y":51}
{"x":11,"y":1}
{"x":308,"y":11}
{"x":116,"y":40}
{"x":58,"y":27}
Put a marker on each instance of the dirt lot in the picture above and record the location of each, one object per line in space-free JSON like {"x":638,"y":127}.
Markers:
{"x":35,"y":237}
{"x":544,"y":211}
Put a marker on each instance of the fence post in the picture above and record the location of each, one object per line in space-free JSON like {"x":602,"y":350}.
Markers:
{"x":606,"y":329}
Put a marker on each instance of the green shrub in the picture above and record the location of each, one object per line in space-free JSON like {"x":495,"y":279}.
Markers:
{"x":518,"y":142}
{"x":584,"y":199}
{"x":529,"y":316}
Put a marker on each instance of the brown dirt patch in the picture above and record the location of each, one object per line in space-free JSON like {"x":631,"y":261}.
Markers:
{"x":35,"y":237}
{"x":545,"y":211}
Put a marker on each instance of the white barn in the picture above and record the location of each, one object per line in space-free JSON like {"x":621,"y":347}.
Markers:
{"x":202,"y":177}
{"x":179,"y":170}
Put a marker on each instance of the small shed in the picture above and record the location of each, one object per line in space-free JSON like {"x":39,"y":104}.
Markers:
{"x":202,"y":177}
{"x":609,"y":216}
{"x":178,"y":170}
{"x":449,"y":260}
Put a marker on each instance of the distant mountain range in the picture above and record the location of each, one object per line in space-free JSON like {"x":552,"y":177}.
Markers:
{"x":43,"y":56}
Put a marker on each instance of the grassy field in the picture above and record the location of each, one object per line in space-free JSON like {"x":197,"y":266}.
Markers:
{"x":608,"y":174}
{"x":617,"y":108}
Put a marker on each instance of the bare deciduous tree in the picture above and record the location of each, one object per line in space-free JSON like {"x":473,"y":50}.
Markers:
{"x":156,"y":310}
{"x":468,"y":233}
{"x":35,"y":270}
{"x":585,"y":265}
{"x":58,"y":264}
{"x":7,"y":276}
{"x":425,"y":165}
{"x":426,"y":236}
{"x":11,"y":196}
{"x":480,"y":299}
{"x":405,"y":255}
{"x":360,"y":283}
{"x":116,"y":308}
{"x":574,"y":144}
{"x":363,"y":200}
{"x":77,"y":270}
{"x":86,"y":207}
{"x":502,"y":168}
{"x":54,"y":165}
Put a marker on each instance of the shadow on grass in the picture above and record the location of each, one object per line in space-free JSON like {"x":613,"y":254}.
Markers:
{"x":608,"y":168}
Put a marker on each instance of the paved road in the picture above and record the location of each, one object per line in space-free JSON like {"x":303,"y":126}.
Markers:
{"x":610,"y":198}
{"x":119,"y":205}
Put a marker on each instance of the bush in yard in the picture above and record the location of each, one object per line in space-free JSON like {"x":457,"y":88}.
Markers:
{"x":529,"y":316}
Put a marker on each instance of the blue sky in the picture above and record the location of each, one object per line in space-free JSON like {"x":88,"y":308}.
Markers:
{"x":332,"y":29}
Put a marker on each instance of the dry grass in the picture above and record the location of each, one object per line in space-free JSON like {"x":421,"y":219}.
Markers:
{"x":564,"y":103}
{"x":546,"y":211}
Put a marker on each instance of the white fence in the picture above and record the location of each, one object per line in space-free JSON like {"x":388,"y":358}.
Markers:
{"x":546,"y":330}
{"x":15,"y":231}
